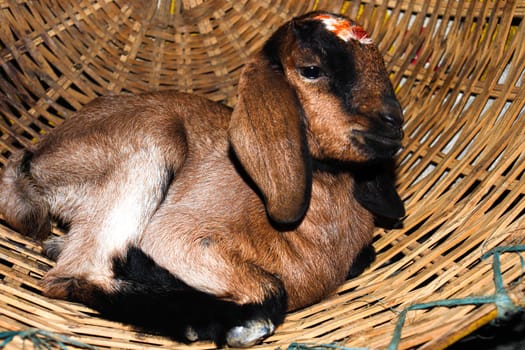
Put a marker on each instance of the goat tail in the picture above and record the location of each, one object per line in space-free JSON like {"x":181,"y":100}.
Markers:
{"x":152,"y":299}
{"x":21,"y":202}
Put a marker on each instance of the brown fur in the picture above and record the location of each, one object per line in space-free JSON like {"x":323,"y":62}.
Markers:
{"x":189,"y":163}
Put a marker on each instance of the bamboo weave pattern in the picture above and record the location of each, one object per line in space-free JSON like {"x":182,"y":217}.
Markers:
{"x":459,"y":71}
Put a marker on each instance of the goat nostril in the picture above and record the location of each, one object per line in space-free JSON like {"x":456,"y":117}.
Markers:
{"x":392,"y":120}
{"x":391,"y":112}
{"x":392,"y":116}
{"x":394,"y":123}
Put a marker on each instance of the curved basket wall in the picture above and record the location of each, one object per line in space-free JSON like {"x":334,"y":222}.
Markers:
{"x":459,"y":69}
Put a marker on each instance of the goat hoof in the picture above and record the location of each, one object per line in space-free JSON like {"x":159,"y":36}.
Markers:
{"x":53,"y":247}
{"x":62,"y":287}
{"x":73,"y":288}
{"x":191,"y":334}
{"x":250,"y":333}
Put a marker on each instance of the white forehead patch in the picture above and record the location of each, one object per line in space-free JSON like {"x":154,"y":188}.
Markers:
{"x":344,"y":29}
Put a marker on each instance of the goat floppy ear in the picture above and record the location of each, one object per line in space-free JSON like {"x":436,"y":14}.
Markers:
{"x":267,"y":135}
{"x":374,"y":189}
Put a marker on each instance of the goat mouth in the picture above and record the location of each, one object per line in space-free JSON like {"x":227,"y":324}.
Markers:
{"x":384,"y":140}
{"x":380,"y":143}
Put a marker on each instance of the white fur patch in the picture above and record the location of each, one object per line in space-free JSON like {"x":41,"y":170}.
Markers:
{"x":344,"y":29}
{"x":136,"y":195}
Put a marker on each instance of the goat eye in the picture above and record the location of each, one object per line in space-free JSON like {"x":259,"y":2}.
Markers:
{"x":310,"y":72}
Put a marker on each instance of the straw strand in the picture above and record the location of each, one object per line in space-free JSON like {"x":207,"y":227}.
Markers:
{"x":42,"y":339}
{"x":298,"y":346}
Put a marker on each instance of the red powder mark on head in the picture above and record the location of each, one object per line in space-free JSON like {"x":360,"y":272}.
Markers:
{"x":344,"y":29}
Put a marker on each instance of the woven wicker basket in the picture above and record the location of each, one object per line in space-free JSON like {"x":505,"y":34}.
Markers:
{"x":459,"y":71}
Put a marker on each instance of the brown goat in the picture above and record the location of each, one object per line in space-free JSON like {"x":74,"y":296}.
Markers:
{"x":223,"y":220}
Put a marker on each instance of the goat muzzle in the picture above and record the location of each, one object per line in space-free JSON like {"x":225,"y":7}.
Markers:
{"x":382,"y":139}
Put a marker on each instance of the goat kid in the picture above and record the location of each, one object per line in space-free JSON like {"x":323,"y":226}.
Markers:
{"x":222,"y":220}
